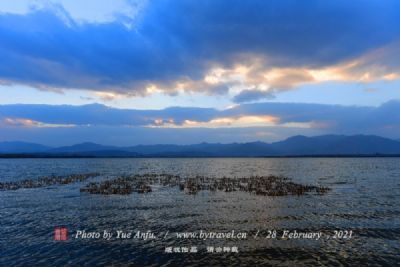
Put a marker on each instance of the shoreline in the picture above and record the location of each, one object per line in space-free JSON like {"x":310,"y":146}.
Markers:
{"x":41,"y":156}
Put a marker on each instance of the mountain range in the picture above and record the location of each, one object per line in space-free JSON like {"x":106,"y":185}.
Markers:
{"x":325,"y":145}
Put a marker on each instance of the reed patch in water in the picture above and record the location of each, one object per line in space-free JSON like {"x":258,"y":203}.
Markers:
{"x":259,"y":185}
{"x":47,"y":181}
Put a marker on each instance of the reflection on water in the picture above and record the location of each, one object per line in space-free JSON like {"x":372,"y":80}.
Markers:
{"x":364,"y":198}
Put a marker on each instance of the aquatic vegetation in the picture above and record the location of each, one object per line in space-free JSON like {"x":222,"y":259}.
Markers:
{"x":259,"y":185}
{"x":47,"y":181}
{"x":142,"y":183}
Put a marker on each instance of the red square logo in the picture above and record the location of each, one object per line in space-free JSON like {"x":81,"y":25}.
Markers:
{"x":60,"y":233}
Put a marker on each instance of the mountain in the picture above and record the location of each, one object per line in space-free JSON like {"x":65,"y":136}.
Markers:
{"x":324,"y":145}
{"x":203,"y":150}
{"x":302,"y":145}
{"x":84,"y":147}
{"x":365,"y":144}
{"x":337,"y":145}
{"x":89,"y":149}
{"x":21,"y":147}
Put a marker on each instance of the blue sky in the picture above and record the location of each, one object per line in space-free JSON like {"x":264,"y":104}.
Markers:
{"x":127,"y":72}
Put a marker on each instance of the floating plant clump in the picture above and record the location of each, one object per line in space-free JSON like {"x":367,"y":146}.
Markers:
{"x":128,"y":184}
{"x":47,"y":181}
{"x":259,"y":185}
{"x":142,"y":183}
{"x":118,"y":186}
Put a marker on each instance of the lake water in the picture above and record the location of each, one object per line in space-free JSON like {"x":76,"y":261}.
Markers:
{"x":365,"y":199}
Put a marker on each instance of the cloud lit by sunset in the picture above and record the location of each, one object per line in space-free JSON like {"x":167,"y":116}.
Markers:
{"x":151,"y":66}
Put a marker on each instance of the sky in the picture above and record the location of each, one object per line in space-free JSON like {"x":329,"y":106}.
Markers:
{"x":128,"y":72}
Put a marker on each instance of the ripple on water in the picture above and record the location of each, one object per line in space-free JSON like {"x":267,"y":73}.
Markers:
{"x":363,"y":199}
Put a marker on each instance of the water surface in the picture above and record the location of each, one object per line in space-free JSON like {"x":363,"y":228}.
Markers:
{"x":365,"y":198}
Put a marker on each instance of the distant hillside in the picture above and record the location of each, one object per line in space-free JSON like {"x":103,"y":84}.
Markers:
{"x":21,"y":147}
{"x":302,"y":145}
{"x":363,"y":144}
{"x":337,"y":145}
{"x":84,"y":147}
{"x":333,"y":145}
{"x":206,"y":150}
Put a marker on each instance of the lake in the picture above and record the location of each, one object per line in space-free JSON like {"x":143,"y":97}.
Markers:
{"x":364,"y":199}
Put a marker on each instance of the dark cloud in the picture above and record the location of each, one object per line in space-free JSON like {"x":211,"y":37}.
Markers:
{"x":383,"y":120}
{"x":96,"y":114}
{"x":180,"y":40}
{"x":252,"y":95}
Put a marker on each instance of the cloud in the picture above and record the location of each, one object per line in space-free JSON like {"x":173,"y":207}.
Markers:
{"x":63,"y":124}
{"x":328,"y":118}
{"x":252,"y":94}
{"x":377,"y":64}
{"x":96,"y":114}
{"x":214,"y":47}
{"x":218,"y":122}
{"x":21,"y":122}
{"x":91,"y":11}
